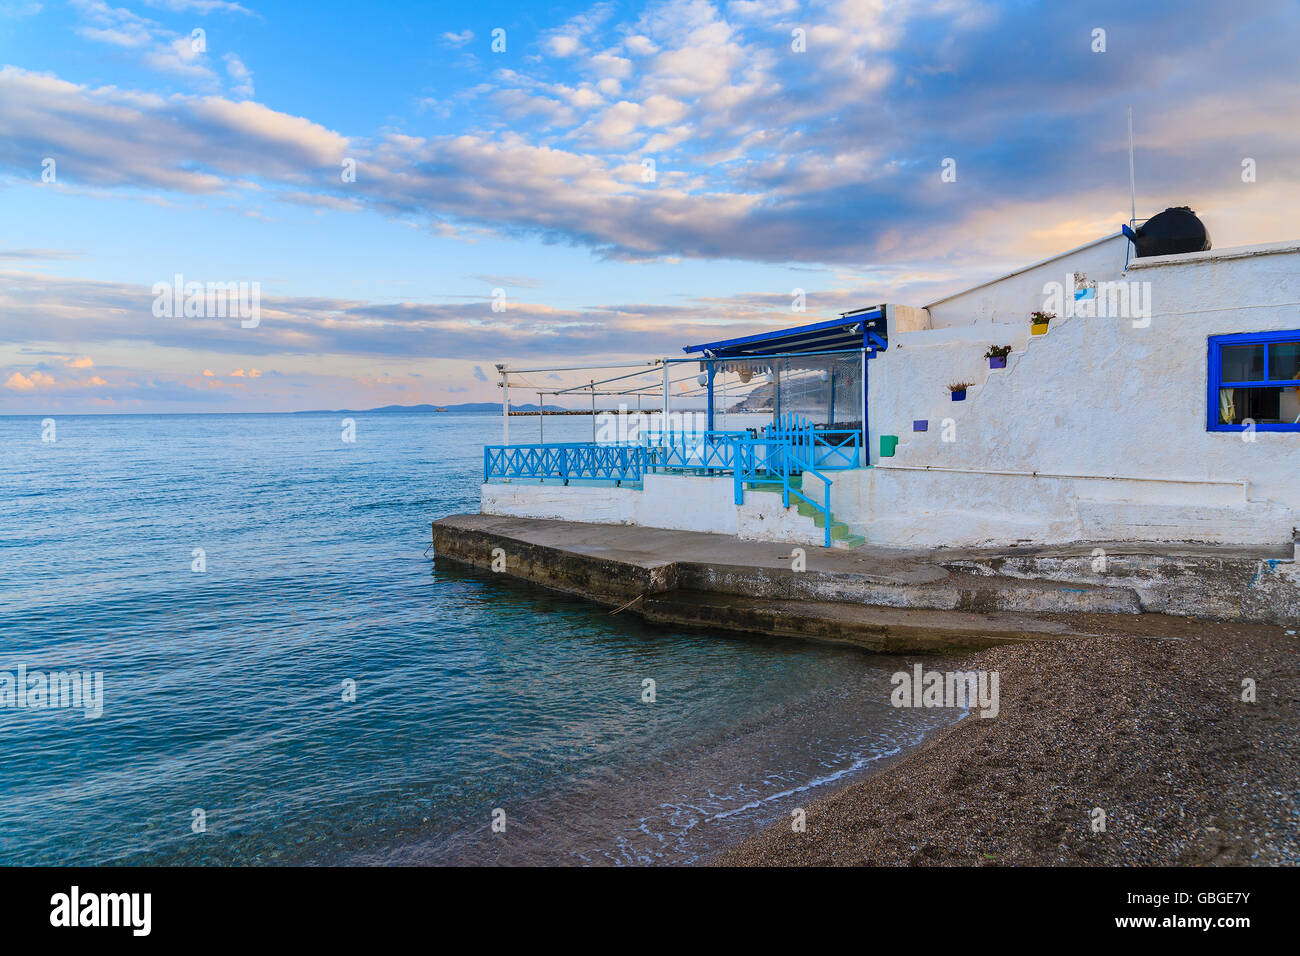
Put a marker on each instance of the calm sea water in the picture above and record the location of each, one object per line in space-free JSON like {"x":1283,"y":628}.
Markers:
{"x":224,"y":690}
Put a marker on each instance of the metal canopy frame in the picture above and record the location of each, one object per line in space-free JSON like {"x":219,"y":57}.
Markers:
{"x":860,"y":330}
{"x":865,"y":330}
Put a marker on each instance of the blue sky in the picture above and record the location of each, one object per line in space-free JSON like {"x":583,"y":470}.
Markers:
{"x":794,"y":145}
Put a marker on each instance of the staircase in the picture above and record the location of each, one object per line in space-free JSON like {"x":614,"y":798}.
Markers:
{"x":842,"y":536}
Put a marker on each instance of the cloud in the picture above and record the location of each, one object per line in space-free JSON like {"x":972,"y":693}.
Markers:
{"x":199,"y":6}
{"x":15,"y":9}
{"x":183,"y":55}
{"x":240,"y":75}
{"x":562,"y":45}
{"x":479,"y":374}
{"x":26,"y":383}
{"x":113,"y":25}
{"x":458,"y":39}
{"x":190,"y":144}
{"x":762,"y":153}
{"x":48,"y":254}
{"x":506,"y":282}
{"x":38,"y":310}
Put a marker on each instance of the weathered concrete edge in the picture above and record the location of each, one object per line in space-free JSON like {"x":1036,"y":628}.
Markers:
{"x":1250,"y":590}
{"x":1213,"y":588}
{"x":610,"y":580}
{"x":928,"y":631}
{"x":648,"y":592}
{"x":957,"y":592}
{"x":596,"y":579}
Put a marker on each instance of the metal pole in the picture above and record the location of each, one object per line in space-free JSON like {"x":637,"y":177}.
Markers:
{"x":505,"y":406}
{"x":866,"y":432}
{"x":712,"y":371}
{"x":593,"y":413}
{"x":541,"y":413}
{"x":1132,"y":182}
{"x":663,"y":424}
{"x":830,"y":397}
{"x":776,"y":393}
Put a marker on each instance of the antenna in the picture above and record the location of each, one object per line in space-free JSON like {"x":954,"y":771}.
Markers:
{"x":1132,"y":183}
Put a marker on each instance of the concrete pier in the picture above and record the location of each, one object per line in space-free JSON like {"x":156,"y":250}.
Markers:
{"x":881,"y":599}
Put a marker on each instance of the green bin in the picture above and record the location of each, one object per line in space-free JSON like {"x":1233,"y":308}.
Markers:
{"x":887,"y":445}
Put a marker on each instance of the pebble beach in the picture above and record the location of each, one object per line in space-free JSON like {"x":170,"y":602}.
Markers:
{"x":1143,"y":720}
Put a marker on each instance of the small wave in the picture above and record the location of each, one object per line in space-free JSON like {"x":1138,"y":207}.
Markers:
{"x":857,"y":765}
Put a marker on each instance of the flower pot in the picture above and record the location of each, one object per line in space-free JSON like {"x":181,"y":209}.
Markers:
{"x":997,"y":361}
{"x":1038,"y":328}
{"x":921,"y":425}
{"x":959,"y":395}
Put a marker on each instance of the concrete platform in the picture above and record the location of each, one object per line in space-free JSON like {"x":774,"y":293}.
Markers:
{"x":885,"y":599}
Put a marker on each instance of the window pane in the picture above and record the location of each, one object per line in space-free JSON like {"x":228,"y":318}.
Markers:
{"x":1284,"y":361}
{"x":1264,"y":406}
{"x":1243,"y":363}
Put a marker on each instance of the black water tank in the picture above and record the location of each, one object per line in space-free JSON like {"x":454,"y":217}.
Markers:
{"x":1173,"y":231}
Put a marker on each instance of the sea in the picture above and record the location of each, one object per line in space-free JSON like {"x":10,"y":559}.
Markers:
{"x":289,"y":677}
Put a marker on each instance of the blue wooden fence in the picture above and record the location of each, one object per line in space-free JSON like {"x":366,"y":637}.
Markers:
{"x":618,"y":463}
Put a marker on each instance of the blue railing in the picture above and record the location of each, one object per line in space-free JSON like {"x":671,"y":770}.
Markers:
{"x":829,"y":448}
{"x":712,"y":451}
{"x":788,"y":448}
{"x":773,"y":459}
{"x":618,"y":463}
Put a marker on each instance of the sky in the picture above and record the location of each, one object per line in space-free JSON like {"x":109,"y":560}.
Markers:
{"x":417,"y":191}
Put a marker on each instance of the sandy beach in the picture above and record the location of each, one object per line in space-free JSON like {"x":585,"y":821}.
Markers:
{"x":1145,"y":720}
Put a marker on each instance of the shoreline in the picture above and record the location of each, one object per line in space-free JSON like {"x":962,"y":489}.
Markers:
{"x":1144,"y":721}
{"x":699,"y":798}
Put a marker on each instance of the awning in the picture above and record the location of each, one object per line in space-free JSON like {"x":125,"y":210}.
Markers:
{"x":863,"y":329}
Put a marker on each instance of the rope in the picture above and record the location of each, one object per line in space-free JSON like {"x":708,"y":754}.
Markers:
{"x":628,"y":604}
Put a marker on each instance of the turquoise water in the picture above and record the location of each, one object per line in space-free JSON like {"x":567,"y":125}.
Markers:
{"x":224,"y":690}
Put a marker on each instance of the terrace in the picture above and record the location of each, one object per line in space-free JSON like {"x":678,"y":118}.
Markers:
{"x":808,"y":381}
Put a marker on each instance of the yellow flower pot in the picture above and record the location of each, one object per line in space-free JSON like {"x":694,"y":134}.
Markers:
{"x":1038,"y":329}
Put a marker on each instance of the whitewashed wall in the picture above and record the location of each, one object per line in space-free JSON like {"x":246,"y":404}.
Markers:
{"x":1097,"y":401}
{"x":678,"y":502}
{"x":1012,"y":298}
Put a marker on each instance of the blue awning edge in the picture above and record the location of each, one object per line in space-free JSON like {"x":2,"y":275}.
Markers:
{"x":858,"y":329}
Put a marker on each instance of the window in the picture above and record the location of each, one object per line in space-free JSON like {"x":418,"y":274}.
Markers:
{"x":1254,"y":378}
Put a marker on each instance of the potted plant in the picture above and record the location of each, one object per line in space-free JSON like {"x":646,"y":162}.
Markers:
{"x":1038,"y":322}
{"x":958,"y":390}
{"x":997,"y":355}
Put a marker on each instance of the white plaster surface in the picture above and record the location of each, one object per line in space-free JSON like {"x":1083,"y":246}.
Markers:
{"x":1011,"y":298}
{"x":677,"y":502}
{"x":1096,"y":398}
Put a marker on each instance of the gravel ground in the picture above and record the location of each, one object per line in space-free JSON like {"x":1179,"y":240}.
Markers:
{"x":1144,"y":720}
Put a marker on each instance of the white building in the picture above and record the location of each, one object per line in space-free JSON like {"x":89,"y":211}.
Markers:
{"x":1162,"y":405}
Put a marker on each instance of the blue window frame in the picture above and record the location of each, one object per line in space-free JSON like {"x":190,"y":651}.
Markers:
{"x":1254,"y":377}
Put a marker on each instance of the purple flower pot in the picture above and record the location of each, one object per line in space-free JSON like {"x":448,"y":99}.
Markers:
{"x":998,"y":361}
{"x":921,"y":425}
{"x":959,"y":395}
